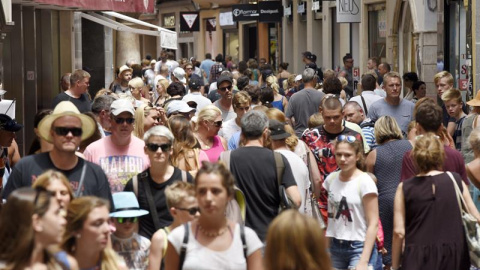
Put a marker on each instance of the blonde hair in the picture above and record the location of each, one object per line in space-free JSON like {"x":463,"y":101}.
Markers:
{"x":315,"y":120}
{"x":288,"y":83}
{"x":164,"y":83}
{"x":343,"y":81}
{"x":272,"y":82}
{"x":178,"y":192}
{"x":241,"y":98}
{"x":474,"y":140}
{"x":386,"y":128}
{"x":443,"y":74}
{"x":140,"y":114}
{"x":452,"y":94}
{"x":208,"y":113}
{"x":392,"y":74}
{"x":295,"y":241}
{"x":328,"y":73}
{"x":136,"y":82}
{"x":77,"y":214}
{"x":292,"y":141}
{"x":46,"y":178}
{"x":428,"y":153}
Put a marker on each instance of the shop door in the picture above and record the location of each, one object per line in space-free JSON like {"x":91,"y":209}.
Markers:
{"x":250,"y":49}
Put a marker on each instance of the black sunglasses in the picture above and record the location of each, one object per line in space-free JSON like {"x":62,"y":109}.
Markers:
{"x":120,"y":120}
{"x":225,"y":88}
{"x":218,"y":123}
{"x":154,"y":147}
{"x":122,"y":220}
{"x":192,"y":210}
{"x":63,"y":131}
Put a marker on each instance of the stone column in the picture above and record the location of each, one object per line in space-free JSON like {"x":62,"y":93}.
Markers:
{"x":476,"y":44}
{"x":427,"y":44}
{"x":128,"y":47}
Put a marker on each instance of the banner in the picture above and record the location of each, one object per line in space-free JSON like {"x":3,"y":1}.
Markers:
{"x":270,"y":11}
{"x":349,"y":11}
{"x":189,"y":21}
{"x":247,"y":12}
{"x":136,"y":6}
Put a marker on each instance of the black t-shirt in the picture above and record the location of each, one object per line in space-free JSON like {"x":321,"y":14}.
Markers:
{"x":255,"y":174}
{"x":147,"y":227}
{"x":82,"y":103}
{"x":29,"y":168}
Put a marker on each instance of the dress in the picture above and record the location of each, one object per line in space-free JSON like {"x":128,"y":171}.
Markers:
{"x":217,"y":148}
{"x":388,"y":167}
{"x":434,"y":234}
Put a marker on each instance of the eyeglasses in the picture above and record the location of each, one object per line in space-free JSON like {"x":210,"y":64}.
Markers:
{"x":120,"y":120}
{"x":218,"y":123}
{"x":192,"y":210}
{"x":122,"y":220}
{"x":223,"y":89}
{"x":346,"y":138}
{"x":154,"y":147}
{"x":64,"y":131}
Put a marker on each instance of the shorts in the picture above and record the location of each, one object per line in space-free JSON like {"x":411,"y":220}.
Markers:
{"x":346,"y":254}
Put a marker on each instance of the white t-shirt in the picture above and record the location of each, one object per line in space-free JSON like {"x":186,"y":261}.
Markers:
{"x":346,"y":216}
{"x":300,"y":173}
{"x":199,"y":257}
{"x":229,"y":128}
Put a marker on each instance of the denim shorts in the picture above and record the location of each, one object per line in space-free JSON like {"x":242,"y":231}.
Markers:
{"x":346,"y":254}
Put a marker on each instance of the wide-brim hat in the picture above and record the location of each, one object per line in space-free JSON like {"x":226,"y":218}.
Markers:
{"x":126,"y":205}
{"x":66,"y":108}
{"x":123,"y":69}
{"x":476,"y":101}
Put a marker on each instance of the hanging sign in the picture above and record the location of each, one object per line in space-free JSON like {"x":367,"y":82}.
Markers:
{"x":270,"y":11}
{"x":301,"y":8}
{"x":189,"y":21}
{"x":287,"y":11}
{"x":349,"y":11}
{"x":245,"y":12}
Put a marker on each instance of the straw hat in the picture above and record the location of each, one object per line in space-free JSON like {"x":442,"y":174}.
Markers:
{"x":65,"y":108}
{"x":476,"y":101}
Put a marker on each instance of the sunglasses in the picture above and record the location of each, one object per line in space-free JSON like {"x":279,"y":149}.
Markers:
{"x":346,"y":138}
{"x":63,"y":131}
{"x":154,"y":147}
{"x":218,"y":123}
{"x":122,"y":220}
{"x":192,"y":211}
{"x":229,"y":88}
{"x":120,"y":120}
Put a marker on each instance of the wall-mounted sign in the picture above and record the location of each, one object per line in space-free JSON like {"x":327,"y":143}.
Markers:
{"x":169,"y":21}
{"x":189,"y":21}
{"x":211,"y":24}
{"x":349,"y":11}
{"x":245,"y":12}
{"x":270,"y":11}
{"x":316,"y":5}
{"x":287,"y":11}
{"x":301,"y":8}
{"x":226,"y":19}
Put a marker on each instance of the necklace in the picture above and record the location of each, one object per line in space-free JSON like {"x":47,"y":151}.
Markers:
{"x":206,"y":145}
{"x":213,"y":234}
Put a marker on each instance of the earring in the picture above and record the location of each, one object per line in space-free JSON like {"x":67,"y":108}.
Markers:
{"x":78,"y":236}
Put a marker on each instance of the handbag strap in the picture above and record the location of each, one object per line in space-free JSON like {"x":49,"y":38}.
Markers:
{"x":183,"y":249}
{"x":364,"y":105}
{"x":461,"y":202}
{"x":151,"y":204}
{"x":82,"y":180}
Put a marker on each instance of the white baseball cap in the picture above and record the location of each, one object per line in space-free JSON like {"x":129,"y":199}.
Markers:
{"x":179,"y":73}
{"x":298,"y":78}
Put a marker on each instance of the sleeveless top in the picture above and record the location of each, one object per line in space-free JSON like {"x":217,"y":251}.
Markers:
{"x":214,"y":152}
{"x":388,"y":168}
{"x":279,"y":104}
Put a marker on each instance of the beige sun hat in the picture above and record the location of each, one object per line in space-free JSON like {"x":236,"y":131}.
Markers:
{"x":476,"y":101}
{"x":123,"y":69}
{"x":65,"y":108}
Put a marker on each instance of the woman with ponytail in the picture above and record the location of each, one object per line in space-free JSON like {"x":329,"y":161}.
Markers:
{"x":279,"y":101}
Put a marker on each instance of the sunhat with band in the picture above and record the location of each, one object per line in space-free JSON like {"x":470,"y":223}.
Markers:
{"x":126,"y":206}
{"x":66,"y":108}
{"x":476,"y":101}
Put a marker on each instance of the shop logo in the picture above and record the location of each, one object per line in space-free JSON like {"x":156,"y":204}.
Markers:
{"x":269,"y":11}
{"x":240,"y":12}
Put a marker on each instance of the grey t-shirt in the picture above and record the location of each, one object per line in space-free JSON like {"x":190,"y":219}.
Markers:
{"x":302,"y":105}
{"x":226,"y":115}
{"x":402,"y":112}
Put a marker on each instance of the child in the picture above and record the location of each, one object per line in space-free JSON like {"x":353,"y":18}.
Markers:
{"x":453,"y":103}
{"x":125,"y":241}
{"x":183,"y":207}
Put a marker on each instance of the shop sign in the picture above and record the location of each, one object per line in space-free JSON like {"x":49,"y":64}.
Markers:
{"x":349,"y":11}
{"x":169,"y":21}
{"x":270,"y":11}
{"x":356,"y":73}
{"x":463,"y":84}
{"x":287,"y":11}
{"x":226,"y":19}
{"x":189,"y":21}
{"x":301,"y":8}
{"x":136,"y":6}
{"x":382,"y":24}
{"x":168,"y":40}
{"x":211,"y":25}
{"x":246,"y":12}
{"x":315,"y":5}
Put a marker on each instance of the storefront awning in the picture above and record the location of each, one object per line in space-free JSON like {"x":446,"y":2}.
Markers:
{"x":168,"y":38}
{"x":136,"y":6}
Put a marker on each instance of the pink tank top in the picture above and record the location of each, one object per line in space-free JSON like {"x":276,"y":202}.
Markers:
{"x":217,"y":148}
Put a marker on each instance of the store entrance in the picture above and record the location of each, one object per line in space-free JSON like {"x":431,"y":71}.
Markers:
{"x":250,"y":49}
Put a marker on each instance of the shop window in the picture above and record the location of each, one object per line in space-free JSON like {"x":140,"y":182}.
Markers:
{"x":377,"y":33}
